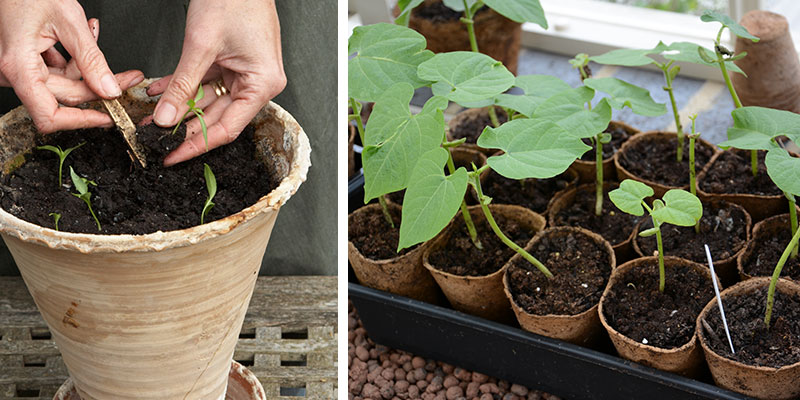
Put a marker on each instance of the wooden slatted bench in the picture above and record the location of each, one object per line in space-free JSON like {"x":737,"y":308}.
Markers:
{"x":288,"y":340}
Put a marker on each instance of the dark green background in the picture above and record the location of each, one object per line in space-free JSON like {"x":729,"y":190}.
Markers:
{"x":147,"y":35}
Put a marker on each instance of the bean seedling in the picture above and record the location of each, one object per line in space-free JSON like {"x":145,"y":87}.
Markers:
{"x":82,"y":186}
{"x":677,"y":207}
{"x":192,"y":103}
{"x":211,"y":186}
{"x":62,"y":155}
{"x":56,"y":218}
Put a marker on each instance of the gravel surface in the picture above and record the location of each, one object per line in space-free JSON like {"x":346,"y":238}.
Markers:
{"x":377,"y":372}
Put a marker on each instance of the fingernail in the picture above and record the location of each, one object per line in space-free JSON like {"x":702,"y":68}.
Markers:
{"x":110,"y":86}
{"x":165,"y":114}
{"x":137,"y":80}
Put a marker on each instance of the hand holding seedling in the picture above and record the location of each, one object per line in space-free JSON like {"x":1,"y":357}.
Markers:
{"x":220,"y":43}
{"x":677,"y":207}
{"x":40,"y":75}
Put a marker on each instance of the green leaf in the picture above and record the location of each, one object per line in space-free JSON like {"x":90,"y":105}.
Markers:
{"x":537,"y":89}
{"x":431,"y":199}
{"x":784,"y":170}
{"x":625,"y":94}
{"x":648,"y":232}
{"x":54,"y":149}
{"x":688,"y":52}
{"x":738,"y":30}
{"x":395,"y":139}
{"x":458,"y":5}
{"x":629,"y":57}
{"x":568,"y":110}
{"x":466,"y":77}
{"x":199,"y":95}
{"x":680,"y":208}
{"x":630,"y":194}
{"x":755,"y":127}
{"x":79,"y":182}
{"x":520,"y":10}
{"x":211,"y":187}
{"x":405,"y":7}
{"x":533,"y":148}
{"x":385,"y":54}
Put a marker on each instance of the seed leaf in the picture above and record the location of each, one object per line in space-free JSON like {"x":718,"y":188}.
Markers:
{"x":738,"y":30}
{"x":755,"y":127}
{"x":568,"y":110}
{"x":211,"y":187}
{"x":520,"y":10}
{"x":784,"y":170}
{"x":431,"y":199}
{"x":648,"y":232}
{"x":395,"y":139}
{"x":625,"y":94}
{"x":465,"y":77}
{"x":534,"y":148}
{"x":629,"y":196}
{"x":79,"y":182}
{"x":680,"y":208}
{"x":385,"y":54}
{"x":405,"y":7}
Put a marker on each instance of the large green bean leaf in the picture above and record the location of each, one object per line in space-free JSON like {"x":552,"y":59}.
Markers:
{"x":466,"y":77}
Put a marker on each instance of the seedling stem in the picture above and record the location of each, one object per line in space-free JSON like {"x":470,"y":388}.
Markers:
{"x":82,"y":186}
{"x":777,"y":273}
{"x":692,"y":173}
{"x":598,"y":168}
{"x":473,"y":233}
{"x":467,"y":20}
{"x":793,"y":218}
{"x":56,"y":218}
{"x":192,"y":103}
{"x":62,"y":155}
{"x":211,"y":187}
{"x":669,"y":74}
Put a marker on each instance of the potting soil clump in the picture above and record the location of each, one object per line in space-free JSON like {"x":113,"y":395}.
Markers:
{"x":126,"y":198}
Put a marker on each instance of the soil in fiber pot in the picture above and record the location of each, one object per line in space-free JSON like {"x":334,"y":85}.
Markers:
{"x":723,"y":228}
{"x":438,"y":12}
{"x":374,"y":237}
{"x":129,"y":199}
{"x":534,"y":194}
{"x":754,"y":343}
{"x":460,"y":257}
{"x":580,"y":268}
{"x":635,"y":308}
{"x":768,"y":250}
{"x":731,"y":173}
{"x":618,"y":136}
{"x":613,"y":225}
{"x":472,"y":126}
{"x":656,"y":160}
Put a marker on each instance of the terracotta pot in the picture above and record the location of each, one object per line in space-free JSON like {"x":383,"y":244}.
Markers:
{"x":765,"y":229}
{"x":123,"y":309}
{"x":754,"y":381}
{"x":242,"y":385}
{"x":468,"y":115}
{"x":498,"y":37}
{"x":586,"y":169}
{"x":758,"y":206}
{"x":725,"y":268}
{"x":658,"y":188}
{"x":771,"y":65}
{"x":480,"y":295}
{"x":403,"y":275}
{"x":685,"y":360}
{"x":583,"y":328}
{"x":566,"y":198}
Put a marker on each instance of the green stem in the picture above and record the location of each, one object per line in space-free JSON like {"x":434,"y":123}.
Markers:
{"x":97,"y":221}
{"x":692,"y":173}
{"x":386,"y":214}
{"x":754,"y":162}
{"x":793,"y":219}
{"x":598,"y":166}
{"x":678,"y":127}
{"x":776,"y":274}
{"x":359,"y":122}
{"x":508,"y":242}
{"x":661,"y":274}
{"x":473,"y":41}
{"x":473,"y":233}
{"x":493,"y":117}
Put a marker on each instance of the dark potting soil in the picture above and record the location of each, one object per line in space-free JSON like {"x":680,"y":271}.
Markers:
{"x":613,"y":225}
{"x":438,"y":12}
{"x":374,"y":237}
{"x":731,"y":173}
{"x":534,"y":194}
{"x":754,"y":343}
{"x":129,"y":199}
{"x":769,"y":247}
{"x":722,"y":228}
{"x":656,"y":160}
{"x":618,"y":136}
{"x":635,"y":307}
{"x":471,"y":127}
{"x":460,"y":257}
{"x":580,"y":268}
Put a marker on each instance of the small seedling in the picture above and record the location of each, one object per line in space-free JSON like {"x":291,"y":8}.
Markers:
{"x":211,"y":186}
{"x":62,"y":155}
{"x":677,"y":207}
{"x":82,"y":186}
{"x":692,"y":174}
{"x":791,"y":247}
{"x":56,"y":218}
{"x":192,"y":103}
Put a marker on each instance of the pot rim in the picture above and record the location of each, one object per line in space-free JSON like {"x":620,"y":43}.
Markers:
{"x":631,"y":130}
{"x":701,"y":175}
{"x":383,"y":261}
{"x":750,"y":247}
{"x":159,"y":241}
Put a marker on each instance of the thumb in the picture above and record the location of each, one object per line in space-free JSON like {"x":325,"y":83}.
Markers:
{"x":79,"y":42}
{"x":192,"y":66}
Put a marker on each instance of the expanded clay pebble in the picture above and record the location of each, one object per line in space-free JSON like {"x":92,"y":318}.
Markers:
{"x":377,"y":372}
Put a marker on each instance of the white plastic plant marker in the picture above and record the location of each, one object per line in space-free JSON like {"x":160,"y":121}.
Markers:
{"x":719,"y":299}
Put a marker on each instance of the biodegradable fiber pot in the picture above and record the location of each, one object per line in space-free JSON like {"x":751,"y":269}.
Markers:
{"x":755,"y":381}
{"x":403,"y":275}
{"x":763,"y":232}
{"x":686,"y":359}
{"x":498,"y":37}
{"x":583,"y":328}
{"x":152,"y":316}
{"x":586,"y":169}
{"x":480,"y":295}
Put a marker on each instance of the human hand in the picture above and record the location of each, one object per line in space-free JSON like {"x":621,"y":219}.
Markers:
{"x":237,"y":41}
{"x":42,"y":78}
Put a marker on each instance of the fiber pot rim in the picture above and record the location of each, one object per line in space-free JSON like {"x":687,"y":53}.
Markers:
{"x":383,"y":261}
{"x":159,"y":241}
